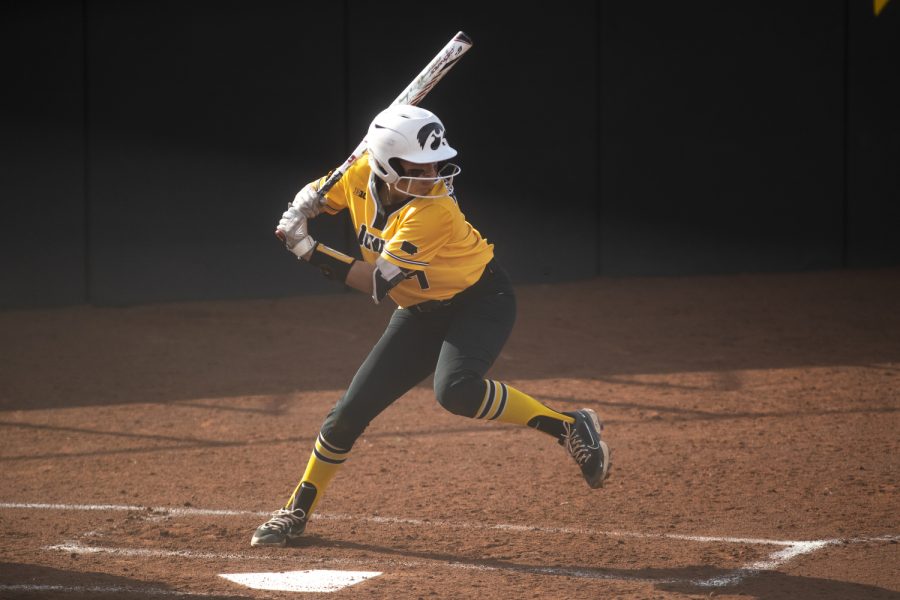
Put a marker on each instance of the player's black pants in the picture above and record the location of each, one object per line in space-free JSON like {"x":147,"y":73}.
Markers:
{"x":457,"y":342}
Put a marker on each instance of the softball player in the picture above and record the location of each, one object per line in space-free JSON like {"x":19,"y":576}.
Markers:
{"x":456,"y":306}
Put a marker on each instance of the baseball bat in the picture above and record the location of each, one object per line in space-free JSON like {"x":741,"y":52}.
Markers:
{"x":418,"y":88}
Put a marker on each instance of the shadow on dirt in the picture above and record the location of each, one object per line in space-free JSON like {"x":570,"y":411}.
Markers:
{"x":33,"y":581}
{"x":600,"y":329}
{"x":180,"y":444}
{"x":675,"y":413}
{"x":765,"y":585}
{"x":772,"y":585}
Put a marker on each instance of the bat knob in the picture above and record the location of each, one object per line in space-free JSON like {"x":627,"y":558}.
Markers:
{"x":280,"y":235}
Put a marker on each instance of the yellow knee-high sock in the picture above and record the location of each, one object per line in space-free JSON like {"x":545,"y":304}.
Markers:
{"x":324,"y":462}
{"x":505,"y":403}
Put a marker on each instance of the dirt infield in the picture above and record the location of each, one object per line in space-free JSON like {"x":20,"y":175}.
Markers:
{"x":754,"y":422}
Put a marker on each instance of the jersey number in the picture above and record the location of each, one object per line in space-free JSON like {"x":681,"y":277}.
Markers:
{"x":422,"y":279}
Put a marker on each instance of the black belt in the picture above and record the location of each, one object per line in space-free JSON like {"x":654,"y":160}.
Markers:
{"x":433,"y":305}
{"x":430,"y":305}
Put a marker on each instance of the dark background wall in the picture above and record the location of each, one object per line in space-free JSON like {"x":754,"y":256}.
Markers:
{"x":872,"y":212}
{"x":42,"y":154}
{"x":722,"y":144}
{"x":149,"y":148}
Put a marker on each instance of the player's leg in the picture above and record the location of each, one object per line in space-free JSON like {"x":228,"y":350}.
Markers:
{"x":404,"y":356}
{"x":481,"y":324}
{"x":480,"y":328}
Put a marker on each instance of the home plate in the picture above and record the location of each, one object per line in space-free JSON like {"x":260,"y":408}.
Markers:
{"x":318,"y":580}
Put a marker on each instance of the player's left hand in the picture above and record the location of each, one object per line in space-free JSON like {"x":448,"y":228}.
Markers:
{"x":292,"y":229}
{"x":309,"y":201}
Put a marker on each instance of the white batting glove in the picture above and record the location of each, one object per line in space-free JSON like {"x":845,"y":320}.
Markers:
{"x":309,"y":201}
{"x":292,"y":230}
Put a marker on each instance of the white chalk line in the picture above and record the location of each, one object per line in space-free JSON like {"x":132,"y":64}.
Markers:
{"x":191,"y":512}
{"x":790,"y":548}
{"x":75,"y":547}
{"x":97,"y":589}
{"x":730,"y":578}
{"x":774,"y":561}
{"x":177,"y":511}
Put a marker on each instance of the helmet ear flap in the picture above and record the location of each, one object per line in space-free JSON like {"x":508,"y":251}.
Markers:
{"x":383,"y":172}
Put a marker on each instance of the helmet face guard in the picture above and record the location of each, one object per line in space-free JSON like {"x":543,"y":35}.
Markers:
{"x":441,"y":185}
{"x":412,"y":134}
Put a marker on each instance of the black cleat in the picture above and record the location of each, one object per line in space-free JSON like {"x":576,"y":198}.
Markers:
{"x":582,"y":441}
{"x":284,"y":527}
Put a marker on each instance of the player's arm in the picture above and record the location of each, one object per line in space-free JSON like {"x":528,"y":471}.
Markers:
{"x":374,"y":280}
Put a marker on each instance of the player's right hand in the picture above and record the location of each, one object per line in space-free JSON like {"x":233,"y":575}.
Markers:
{"x":293,"y":230}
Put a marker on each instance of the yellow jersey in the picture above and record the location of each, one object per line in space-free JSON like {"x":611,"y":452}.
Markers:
{"x":429,"y":237}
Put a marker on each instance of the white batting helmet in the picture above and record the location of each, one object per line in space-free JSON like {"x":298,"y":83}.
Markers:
{"x":407,"y":132}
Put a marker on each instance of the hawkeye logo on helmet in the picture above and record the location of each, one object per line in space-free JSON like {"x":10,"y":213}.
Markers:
{"x":432,"y":130}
